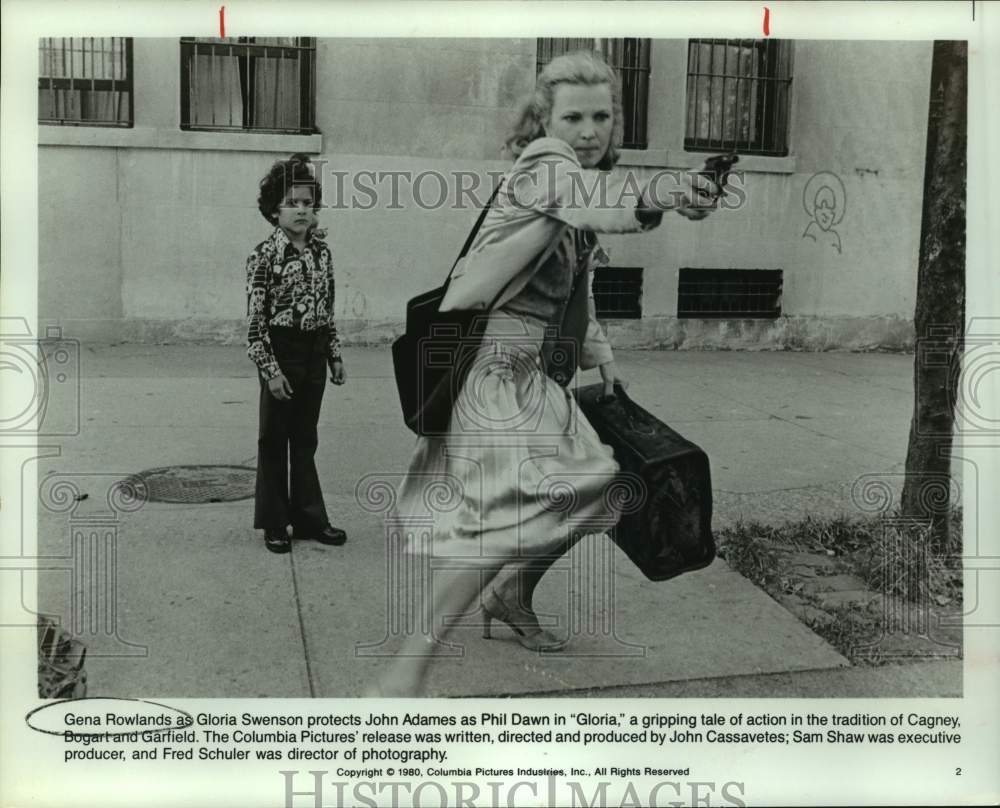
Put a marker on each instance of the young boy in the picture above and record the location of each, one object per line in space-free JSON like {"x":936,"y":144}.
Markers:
{"x":292,"y":339}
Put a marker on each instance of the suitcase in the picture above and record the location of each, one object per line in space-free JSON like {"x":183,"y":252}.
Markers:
{"x":666,"y":528}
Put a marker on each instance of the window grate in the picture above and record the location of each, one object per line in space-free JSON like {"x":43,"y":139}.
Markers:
{"x":738,"y":94}
{"x":618,"y":292}
{"x":258,"y":84}
{"x":729,"y":293}
{"x":85,"y":81}
{"x":630,"y":60}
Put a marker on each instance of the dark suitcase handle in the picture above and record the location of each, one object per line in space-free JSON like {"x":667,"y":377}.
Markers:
{"x":628,"y":405}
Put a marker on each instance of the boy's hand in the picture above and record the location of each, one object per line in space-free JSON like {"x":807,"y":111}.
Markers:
{"x":279,"y":387}
{"x":337,"y":374}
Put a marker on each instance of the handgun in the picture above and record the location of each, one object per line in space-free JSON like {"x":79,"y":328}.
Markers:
{"x":719,"y":167}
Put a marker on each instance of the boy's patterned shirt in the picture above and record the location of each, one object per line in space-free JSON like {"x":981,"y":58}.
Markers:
{"x":288,"y":288}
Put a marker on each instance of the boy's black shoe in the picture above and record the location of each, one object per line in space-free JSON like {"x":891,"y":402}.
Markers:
{"x":331,"y":535}
{"x":277,"y":542}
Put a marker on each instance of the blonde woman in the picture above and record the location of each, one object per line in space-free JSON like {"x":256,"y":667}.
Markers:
{"x":529,"y":473}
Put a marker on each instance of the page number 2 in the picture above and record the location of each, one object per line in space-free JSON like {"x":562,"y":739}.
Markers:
{"x":958,"y":771}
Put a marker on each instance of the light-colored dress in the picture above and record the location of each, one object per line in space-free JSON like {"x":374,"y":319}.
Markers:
{"x":521,"y":469}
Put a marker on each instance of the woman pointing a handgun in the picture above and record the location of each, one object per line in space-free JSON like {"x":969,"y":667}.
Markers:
{"x":529,"y":470}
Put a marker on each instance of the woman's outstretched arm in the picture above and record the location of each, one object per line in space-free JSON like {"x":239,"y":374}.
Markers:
{"x":548,"y":179}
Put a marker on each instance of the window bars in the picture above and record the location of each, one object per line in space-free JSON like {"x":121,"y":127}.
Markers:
{"x":729,"y":293}
{"x":738,"y":95}
{"x":618,"y":292}
{"x":85,"y":81}
{"x":630,"y":59}
{"x":259,"y":84}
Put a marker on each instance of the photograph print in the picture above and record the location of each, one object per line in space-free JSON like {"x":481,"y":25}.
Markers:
{"x":563,"y":367}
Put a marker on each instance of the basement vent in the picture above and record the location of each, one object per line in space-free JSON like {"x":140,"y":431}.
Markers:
{"x":729,"y":293}
{"x":618,"y":292}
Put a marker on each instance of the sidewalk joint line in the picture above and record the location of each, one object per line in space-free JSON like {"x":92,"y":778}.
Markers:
{"x":302,"y":626}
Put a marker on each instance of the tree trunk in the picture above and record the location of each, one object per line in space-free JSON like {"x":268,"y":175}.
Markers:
{"x":939,"y":319}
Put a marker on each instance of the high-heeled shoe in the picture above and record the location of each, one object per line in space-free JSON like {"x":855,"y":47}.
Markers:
{"x":522,"y":622}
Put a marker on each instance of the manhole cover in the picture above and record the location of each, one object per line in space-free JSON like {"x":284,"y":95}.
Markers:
{"x":194,"y":484}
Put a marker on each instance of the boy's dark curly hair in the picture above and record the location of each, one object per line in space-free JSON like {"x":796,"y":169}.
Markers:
{"x":296,"y":170}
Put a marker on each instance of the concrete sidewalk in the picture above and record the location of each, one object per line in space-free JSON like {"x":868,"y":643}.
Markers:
{"x":203,"y":610}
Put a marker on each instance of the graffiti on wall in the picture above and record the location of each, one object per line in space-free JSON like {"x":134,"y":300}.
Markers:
{"x":825,"y":200}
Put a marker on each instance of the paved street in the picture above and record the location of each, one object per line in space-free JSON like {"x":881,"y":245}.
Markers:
{"x":203,"y":610}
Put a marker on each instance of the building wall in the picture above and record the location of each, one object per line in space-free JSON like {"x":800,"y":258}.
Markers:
{"x":859,"y":110}
{"x":144,"y":232}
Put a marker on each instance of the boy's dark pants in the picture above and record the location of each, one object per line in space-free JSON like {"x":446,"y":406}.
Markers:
{"x":288,"y":490}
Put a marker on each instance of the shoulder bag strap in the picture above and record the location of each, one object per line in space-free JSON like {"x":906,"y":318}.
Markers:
{"x":475,"y":229}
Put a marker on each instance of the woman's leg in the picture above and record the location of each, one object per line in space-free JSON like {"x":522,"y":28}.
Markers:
{"x":453,"y":591}
{"x":516,"y":582}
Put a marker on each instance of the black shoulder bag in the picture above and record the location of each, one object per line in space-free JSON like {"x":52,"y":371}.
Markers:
{"x":431,"y":360}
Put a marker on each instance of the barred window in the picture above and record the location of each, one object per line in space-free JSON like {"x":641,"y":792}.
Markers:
{"x":729,"y":293}
{"x":618,"y":293}
{"x":630,"y":59}
{"x":85,"y":81}
{"x":258,"y":84}
{"x":738,"y":93}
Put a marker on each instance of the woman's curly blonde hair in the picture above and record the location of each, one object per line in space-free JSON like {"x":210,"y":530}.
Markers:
{"x":579,"y":67}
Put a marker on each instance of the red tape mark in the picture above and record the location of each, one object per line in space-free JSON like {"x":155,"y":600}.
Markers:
{"x":222,"y":22}
{"x":767,"y":21}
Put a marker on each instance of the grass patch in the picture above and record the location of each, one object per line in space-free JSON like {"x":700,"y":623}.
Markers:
{"x":904,"y":563}
{"x":891,"y":556}
{"x":751,"y":551}
{"x":855,"y":632}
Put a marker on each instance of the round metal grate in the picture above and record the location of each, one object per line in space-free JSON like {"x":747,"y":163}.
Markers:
{"x":194,"y":484}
